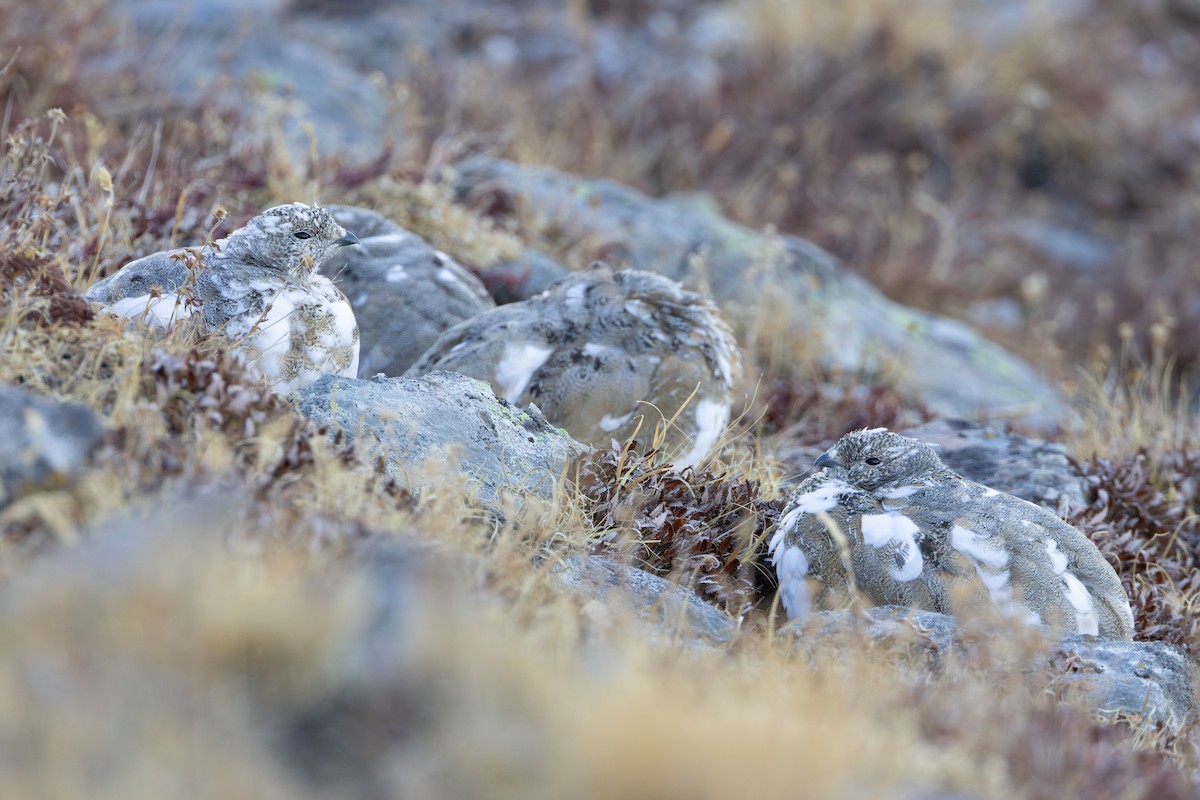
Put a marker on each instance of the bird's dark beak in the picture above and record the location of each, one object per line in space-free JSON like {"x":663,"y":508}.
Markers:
{"x":826,"y":460}
{"x":349,"y":238}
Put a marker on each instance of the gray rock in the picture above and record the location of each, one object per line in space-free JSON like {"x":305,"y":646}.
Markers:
{"x":243,"y":56}
{"x":669,"y":610}
{"x":1004,"y":313}
{"x":1032,"y":469}
{"x":404,"y":291}
{"x":445,"y":418}
{"x":364,"y":222}
{"x":1150,"y":680}
{"x":1077,"y":250}
{"x":804,"y":291}
{"x":45,"y":441}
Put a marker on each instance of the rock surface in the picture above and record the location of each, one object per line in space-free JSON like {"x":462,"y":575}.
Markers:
{"x":799,"y":289}
{"x":242,"y":54}
{"x":1150,"y":680}
{"x":405,"y":292}
{"x":1032,"y":469}
{"x":667,"y":609}
{"x":445,"y":419}
{"x":45,"y":441}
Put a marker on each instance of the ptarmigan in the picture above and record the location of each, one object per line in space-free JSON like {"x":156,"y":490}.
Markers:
{"x":887,"y":519}
{"x":260,"y":288}
{"x":598,"y":351}
{"x":405,"y":292}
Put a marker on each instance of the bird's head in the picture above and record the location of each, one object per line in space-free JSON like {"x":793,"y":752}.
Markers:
{"x":294,"y":239}
{"x":875,"y":458}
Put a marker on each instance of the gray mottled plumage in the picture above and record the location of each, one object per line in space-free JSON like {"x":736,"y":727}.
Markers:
{"x":887,"y":519}
{"x":405,"y":293}
{"x":259,"y":287}
{"x":600,"y":349}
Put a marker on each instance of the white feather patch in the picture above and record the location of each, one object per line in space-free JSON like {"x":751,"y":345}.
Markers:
{"x":516,"y":368}
{"x":901,"y":492}
{"x":1078,"y":596}
{"x":991,"y":565}
{"x":1081,"y":600}
{"x":575,"y":295}
{"x":902,"y":534}
{"x":980,"y":550}
{"x":711,"y":417}
{"x":823,"y":498}
{"x":608,"y":423}
{"x":1057,"y":559}
{"x":792,"y":571}
{"x":786,"y":523}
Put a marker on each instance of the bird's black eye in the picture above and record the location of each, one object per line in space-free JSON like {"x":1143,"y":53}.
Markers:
{"x":872,"y":460}
{"x":302,"y":235}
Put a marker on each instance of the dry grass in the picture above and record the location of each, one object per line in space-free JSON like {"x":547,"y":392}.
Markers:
{"x":882,"y":132}
{"x":216,"y":639}
{"x":426,"y":208}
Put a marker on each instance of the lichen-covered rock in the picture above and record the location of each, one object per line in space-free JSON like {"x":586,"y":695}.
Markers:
{"x":1153,"y":679}
{"x":45,"y":441}
{"x":444,"y":418}
{"x":1032,"y":469}
{"x":845,"y":322}
{"x":404,"y":291}
{"x":668,"y":609}
{"x":1148,"y":680}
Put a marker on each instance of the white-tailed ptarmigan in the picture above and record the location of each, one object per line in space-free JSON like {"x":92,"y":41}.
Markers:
{"x":888,"y":520}
{"x":260,"y":288}
{"x":599,"y":350}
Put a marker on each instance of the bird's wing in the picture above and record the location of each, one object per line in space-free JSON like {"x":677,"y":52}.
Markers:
{"x":685,"y":388}
{"x":500,"y":346}
{"x":976,"y":565}
{"x":1058,"y":560}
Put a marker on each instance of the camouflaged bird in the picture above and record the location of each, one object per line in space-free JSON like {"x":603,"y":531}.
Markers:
{"x":600,"y":350}
{"x":259,"y":287}
{"x":405,"y":292}
{"x":887,"y":519}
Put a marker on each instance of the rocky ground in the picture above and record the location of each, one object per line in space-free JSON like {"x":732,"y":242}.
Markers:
{"x":968,"y":220}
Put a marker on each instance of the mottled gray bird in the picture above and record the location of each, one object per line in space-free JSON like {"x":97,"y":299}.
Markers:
{"x":405,"y":292}
{"x":259,"y":287}
{"x":598,"y":351}
{"x":888,"y":520}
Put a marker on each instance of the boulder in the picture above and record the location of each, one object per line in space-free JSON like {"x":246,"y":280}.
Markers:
{"x":759,"y":279}
{"x":667,"y":610}
{"x":239,"y":55}
{"x":1152,"y":681}
{"x":444,"y":418}
{"x":45,"y":441}
{"x":405,"y":292}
